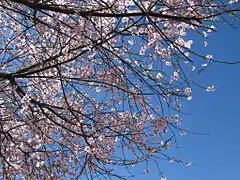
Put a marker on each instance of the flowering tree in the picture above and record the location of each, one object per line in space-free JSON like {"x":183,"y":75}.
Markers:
{"x":85,"y":84}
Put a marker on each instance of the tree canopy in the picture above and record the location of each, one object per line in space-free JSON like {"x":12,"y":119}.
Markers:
{"x":90,"y":85}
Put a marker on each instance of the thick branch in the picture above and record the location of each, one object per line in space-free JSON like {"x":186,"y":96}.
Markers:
{"x":65,"y":10}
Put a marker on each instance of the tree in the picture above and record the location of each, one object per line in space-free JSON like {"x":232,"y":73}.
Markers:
{"x":88,"y":85}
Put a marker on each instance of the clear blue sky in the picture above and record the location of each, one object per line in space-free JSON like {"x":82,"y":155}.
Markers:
{"x":215,"y":156}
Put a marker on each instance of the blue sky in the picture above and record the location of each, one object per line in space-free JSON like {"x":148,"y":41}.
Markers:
{"x":215,"y":156}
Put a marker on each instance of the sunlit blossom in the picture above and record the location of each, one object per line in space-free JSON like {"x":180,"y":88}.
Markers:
{"x":188,"y":91}
{"x":159,"y":76}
